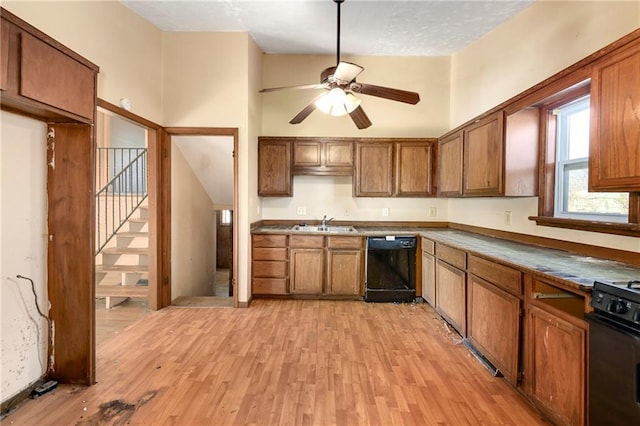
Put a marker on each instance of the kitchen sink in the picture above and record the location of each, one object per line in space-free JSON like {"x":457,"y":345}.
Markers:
{"x":325,"y":228}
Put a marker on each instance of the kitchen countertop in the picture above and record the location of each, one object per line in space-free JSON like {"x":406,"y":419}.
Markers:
{"x":573,"y":270}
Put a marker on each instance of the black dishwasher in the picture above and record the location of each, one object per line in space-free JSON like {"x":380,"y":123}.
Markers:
{"x":390,"y":269}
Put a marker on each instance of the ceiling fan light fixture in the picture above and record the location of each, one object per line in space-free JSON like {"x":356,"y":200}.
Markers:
{"x":337,"y":102}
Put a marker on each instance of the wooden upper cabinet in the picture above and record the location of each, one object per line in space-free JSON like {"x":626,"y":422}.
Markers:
{"x":450,"y":166}
{"x":307,"y":154}
{"x":483,"y":155}
{"x":4,"y":54}
{"x":395,"y":168}
{"x":374,"y":169}
{"x":40,"y":76}
{"x":614,"y":157}
{"x":494,"y":156}
{"x":51,"y":77}
{"x":312,"y":156}
{"x":414,"y":168}
{"x":274,"y":168}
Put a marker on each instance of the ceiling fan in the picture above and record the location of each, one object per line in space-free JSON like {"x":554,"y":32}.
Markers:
{"x":340,"y":84}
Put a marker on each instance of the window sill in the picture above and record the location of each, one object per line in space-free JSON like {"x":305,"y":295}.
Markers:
{"x":629,"y":229}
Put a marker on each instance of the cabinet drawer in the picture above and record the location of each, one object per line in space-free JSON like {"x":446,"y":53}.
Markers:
{"x":508,"y":279}
{"x":307,"y":241}
{"x":269,"y":253}
{"x":266,"y":268}
{"x":270,"y":240}
{"x":455,"y":257}
{"x":428,"y":246}
{"x":269,"y":286}
{"x":344,"y":242}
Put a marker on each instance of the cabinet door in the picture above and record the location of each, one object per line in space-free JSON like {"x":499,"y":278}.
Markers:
{"x":344,"y":272}
{"x":307,"y":270}
{"x":450,"y":166}
{"x":557,"y":372}
{"x":451,"y":295}
{"x":374,"y":169}
{"x":339,"y":154}
{"x":483,"y":154}
{"x":493,"y":325}
{"x":429,"y":278}
{"x":414,"y":169}
{"x":274,"y":168}
{"x":307,"y":154}
{"x":614,"y":157}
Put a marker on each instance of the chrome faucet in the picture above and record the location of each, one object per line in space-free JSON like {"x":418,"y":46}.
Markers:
{"x":325,"y":220}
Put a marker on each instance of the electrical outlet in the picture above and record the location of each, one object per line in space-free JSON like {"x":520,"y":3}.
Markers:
{"x":301,"y":211}
{"x":433,"y":212}
{"x":347,"y":211}
{"x":385,"y":211}
{"x":507,"y":217}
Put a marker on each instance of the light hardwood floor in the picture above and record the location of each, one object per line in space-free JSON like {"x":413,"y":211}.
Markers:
{"x":287,"y":362}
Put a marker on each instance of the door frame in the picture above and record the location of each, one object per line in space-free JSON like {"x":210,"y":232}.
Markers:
{"x":165,"y":212}
{"x":154,"y":194}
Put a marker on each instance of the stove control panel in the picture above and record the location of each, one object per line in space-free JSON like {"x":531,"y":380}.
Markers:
{"x":615,"y":302}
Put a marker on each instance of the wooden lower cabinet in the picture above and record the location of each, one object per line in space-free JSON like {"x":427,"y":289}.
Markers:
{"x":344,"y":272}
{"x":555,"y":369}
{"x":307,"y":270}
{"x":429,"y":278}
{"x":270,"y":265}
{"x":451,"y":295}
{"x":493,"y":325}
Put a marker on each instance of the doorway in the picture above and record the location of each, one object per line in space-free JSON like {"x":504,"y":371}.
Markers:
{"x":203,"y":208}
{"x":126,"y":203}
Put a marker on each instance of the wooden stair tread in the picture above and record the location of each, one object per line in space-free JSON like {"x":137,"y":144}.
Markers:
{"x":132,"y":234}
{"x":126,"y":250}
{"x":122,"y":290}
{"x":122,"y":268}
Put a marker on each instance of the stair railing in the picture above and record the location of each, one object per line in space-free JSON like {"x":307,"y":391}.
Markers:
{"x":125,"y":170}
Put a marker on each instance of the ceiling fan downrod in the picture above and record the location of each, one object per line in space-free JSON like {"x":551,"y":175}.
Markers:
{"x":338,"y":2}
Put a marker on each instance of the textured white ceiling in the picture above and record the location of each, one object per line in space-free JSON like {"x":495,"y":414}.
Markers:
{"x":369,"y":28}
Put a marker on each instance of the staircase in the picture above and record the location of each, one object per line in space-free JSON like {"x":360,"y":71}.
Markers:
{"x":122,"y":265}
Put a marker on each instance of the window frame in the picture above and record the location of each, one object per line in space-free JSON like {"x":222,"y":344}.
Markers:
{"x":565,"y":164}
{"x":547,"y":174}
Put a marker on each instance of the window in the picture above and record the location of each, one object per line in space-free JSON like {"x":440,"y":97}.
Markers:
{"x":225,"y":217}
{"x":572,"y":196}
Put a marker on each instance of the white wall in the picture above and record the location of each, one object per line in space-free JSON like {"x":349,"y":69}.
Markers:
{"x":23,"y":251}
{"x":542,"y":40}
{"x":332,"y":196}
{"x":193,"y":232}
{"x":532,"y":46}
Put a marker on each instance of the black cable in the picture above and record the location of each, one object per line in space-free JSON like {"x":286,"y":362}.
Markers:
{"x":35,"y":297}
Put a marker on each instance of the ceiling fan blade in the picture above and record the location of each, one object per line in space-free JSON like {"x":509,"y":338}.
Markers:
{"x":386,"y":93}
{"x":346,"y":72}
{"x":306,"y":111}
{"x":360,"y":118}
{"x":308,"y":86}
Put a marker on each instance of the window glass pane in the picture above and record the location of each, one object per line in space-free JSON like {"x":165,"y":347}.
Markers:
{"x":573,"y":198}
{"x":225,"y":217}
{"x":578,"y":133}
{"x":580,"y":200}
